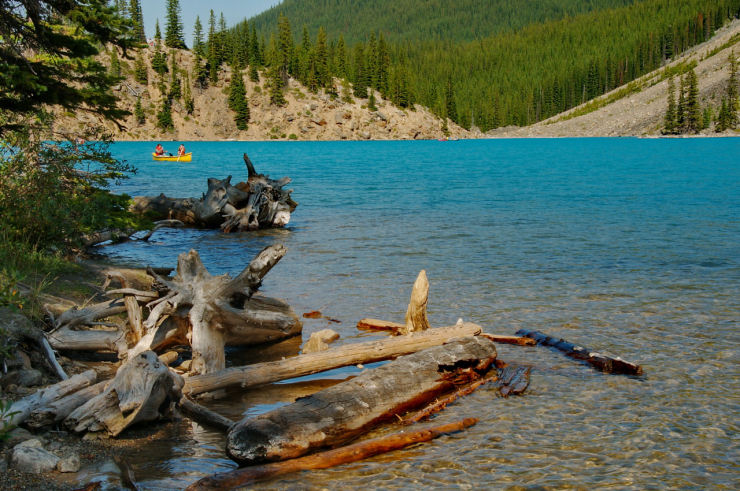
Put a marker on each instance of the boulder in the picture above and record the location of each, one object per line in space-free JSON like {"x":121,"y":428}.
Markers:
{"x":23,"y":378}
{"x":31,"y":457}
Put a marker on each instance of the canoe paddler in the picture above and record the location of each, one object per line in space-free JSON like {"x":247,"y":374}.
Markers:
{"x":159,"y":150}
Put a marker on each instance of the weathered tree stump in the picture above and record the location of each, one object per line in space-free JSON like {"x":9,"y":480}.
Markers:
{"x":416,"y":314}
{"x":136,"y":394}
{"x":340,"y":413}
{"x":217,"y":309}
{"x":260,"y":202}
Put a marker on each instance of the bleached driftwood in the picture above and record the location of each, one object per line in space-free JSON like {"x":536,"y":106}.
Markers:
{"x":416,"y":314}
{"x":340,"y":356}
{"x":57,"y":411}
{"x":136,"y":394}
{"x":260,"y":202}
{"x":218,"y":309}
{"x":21,"y":409}
{"x":340,"y":413}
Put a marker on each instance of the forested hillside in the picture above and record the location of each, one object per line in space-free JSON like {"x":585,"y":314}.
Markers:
{"x":459,"y":20}
{"x":512,"y":78}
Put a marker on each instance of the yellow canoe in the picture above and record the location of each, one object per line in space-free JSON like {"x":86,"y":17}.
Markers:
{"x":165,"y":158}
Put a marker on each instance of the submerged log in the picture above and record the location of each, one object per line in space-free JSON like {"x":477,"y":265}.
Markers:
{"x":603,"y":362}
{"x":369,"y":324}
{"x":217,"y":309}
{"x":504,"y":339}
{"x":340,"y":413}
{"x":136,"y":394}
{"x":330,"y":458}
{"x":341,"y":356}
{"x":260,"y":202}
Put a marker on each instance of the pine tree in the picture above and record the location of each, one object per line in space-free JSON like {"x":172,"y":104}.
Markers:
{"x":341,"y":58}
{"x":173,"y":37}
{"x":238,"y":101}
{"x":733,"y":104}
{"x":384,"y":62}
{"x":115,"y":63}
{"x":139,"y":112}
{"x":275,"y":76}
{"x":214,"y":63}
{"x":159,"y":59}
{"x":359,"y":83}
{"x":254,"y":75}
{"x":371,"y":101}
{"x":450,"y":104}
{"x":681,"y":107}
{"x":140,"y":71}
{"x":175,"y":85}
{"x":198,"y":46}
{"x":723,"y":118}
{"x":693,"y":111}
{"x":200,"y":72}
{"x":137,"y":19}
{"x":164,"y":116}
{"x":284,"y":47}
{"x":187,"y":96}
{"x":322,"y":59}
{"x":670,"y":122}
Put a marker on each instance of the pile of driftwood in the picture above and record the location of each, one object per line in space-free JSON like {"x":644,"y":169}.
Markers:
{"x":431,"y":368}
{"x":260,"y":202}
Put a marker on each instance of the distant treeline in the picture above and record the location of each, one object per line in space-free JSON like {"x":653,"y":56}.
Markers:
{"x":512,"y":78}
{"x":423,"y":20}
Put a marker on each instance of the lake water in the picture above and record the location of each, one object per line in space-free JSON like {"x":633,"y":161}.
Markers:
{"x":625,"y":245}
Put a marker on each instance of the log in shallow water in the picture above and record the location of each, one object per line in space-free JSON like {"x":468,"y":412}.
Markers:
{"x":340,"y":413}
{"x":330,"y":458}
{"x":341,"y":356}
{"x":600,"y":361}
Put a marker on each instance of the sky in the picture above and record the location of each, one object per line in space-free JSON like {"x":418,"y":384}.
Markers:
{"x":234,"y":11}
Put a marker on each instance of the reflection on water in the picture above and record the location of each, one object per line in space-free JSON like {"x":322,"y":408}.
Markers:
{"x":629,"y":246}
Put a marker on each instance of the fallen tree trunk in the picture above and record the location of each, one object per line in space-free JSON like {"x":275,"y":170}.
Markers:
{"x":341,"y":356}
{"x":42,"y":397}
{"x":260,"y":202}
{"x":57,"y":411}
{"x":330,"y":458}
{"x":89,"y":340}
{"x":340,"y":413}
{"x":604,"y":362}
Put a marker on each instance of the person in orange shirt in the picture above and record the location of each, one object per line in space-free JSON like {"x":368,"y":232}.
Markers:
{"x":181,"y":151}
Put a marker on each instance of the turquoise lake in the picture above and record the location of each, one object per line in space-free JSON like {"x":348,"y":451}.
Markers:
{"x":630,"y":246}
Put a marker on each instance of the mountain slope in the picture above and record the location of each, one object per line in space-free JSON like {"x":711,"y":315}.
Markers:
{"x":305,"y":116}
{"x":641,"y":113}
{"x":459,"y":20}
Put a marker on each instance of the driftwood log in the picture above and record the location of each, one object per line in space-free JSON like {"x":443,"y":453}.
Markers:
{"x":330,"y":458}
{"x":340,"y":413}
{"x":136,"y":394}
{"x":601,"y":361}
{"x":260,"y":202}
{"x":218,"y":309}
{"x":22,"y":409}
{"x":340,"y":356}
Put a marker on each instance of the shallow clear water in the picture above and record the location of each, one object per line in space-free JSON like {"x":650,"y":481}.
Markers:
{"x":625,"y":245}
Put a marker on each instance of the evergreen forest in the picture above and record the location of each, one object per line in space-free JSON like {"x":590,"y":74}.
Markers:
{"x":539,"y":62}
{"x":415,"y":20}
